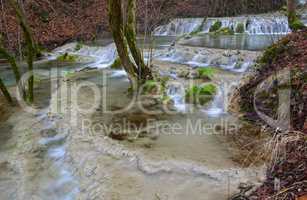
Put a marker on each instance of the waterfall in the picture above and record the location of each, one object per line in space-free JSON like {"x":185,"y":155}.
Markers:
{"x":103,"y":56}
{"x":267,"y":25}
{"x":179,"y":26}
{"x":253,"y":25}
{"x":177,"y":94}
{"x":227,"y":22}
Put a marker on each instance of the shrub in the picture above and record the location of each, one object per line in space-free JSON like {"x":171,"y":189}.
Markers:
{"x":117,"y":64}
{"x":201,"y":94}
{"x":206,"y":73}
{"x":67,"y":58}
{"x":216,"y":26}
{"x":240,"y":28}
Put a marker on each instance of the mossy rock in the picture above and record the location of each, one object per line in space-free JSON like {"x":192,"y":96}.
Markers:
{"x":240,"y":28}
{"x":201,"y":94}
{"x":206,"y":73}
{"x":296,"y":24}
{"x":216,"y":26}
{"x":150,"y":87}
{"x":272,"y":52}
{"x":117,"y":64}
{"x":224,"y":31}
{"x":78,"y":46}
{"x":67,"y":58}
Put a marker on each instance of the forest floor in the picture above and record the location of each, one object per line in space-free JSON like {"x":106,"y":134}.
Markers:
{"x":287,"y":167}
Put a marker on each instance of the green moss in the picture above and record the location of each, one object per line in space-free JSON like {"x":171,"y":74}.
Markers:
{"x":206,"y":73}
{"x":273,"y":51}
{"x":201,"y":94}
{"x":296,"y":24}
{"x":67,"y":58}
{"x":117,"y":64}
{"x":224,"y":31}
{"x":150,"y":87}
{"x":216,"y":26}
{"x":240,"y":28}
{"x":44,"y":15}
{"x":78,"y":46}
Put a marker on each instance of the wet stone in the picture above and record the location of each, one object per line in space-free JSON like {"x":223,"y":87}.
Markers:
{"x":48,"y":133}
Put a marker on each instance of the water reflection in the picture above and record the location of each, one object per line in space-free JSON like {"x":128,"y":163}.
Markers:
{"x":241,"y":42}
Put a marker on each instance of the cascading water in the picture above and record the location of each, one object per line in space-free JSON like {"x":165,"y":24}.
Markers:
{"x":179,"y":26}
{"x":227,"y":22}
{"x":177,"y":93}
{"x":270,"y":26}
{"x":253,"y":25}
{"x":102,"y":56}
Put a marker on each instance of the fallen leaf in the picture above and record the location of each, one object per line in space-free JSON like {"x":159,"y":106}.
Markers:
{"x":303,"y":198}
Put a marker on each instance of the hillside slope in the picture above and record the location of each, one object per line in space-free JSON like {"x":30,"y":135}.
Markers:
{"x":55,"y":22}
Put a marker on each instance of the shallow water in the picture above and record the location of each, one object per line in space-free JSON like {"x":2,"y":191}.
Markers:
{"x":66,"y":163}
{"x":240,"y":41}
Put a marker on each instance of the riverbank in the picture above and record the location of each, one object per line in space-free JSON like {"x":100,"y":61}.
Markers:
{"x":287,"y":146}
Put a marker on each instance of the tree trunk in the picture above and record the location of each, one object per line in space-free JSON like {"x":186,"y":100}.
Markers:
{"x":117,"y":29}
{"x":14,"y":67}
{"x":291,"y":11}
{"x":124,"y":35}
{"x":144,"y":72}
{"x":31,"y":47}
{"x":5,"y":92}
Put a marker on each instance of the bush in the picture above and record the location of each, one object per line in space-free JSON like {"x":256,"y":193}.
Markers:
{"x":67,"y":58}
{"x":201,"y":94}
{"x":216,"y":26}
{"x":206,"y":73}
{"x":240,"y":28}
{"x":117,"y":64}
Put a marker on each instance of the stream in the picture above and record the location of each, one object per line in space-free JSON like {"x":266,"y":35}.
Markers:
{"x":50,"y":155}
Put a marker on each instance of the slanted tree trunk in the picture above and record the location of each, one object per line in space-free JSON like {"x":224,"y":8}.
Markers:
{"x":12,"y":62}
{"x":14,"y":67}
{"x":5,"y":92}
{"x":124,"y":35}
{"x":117,"y":29}
{"x":130,"y":32}
{"x":31,"y":47}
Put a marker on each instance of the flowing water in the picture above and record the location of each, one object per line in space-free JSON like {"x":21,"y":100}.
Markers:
{"x":48,"y":155}
{"x":241,"y":41}
{"x":269,"y":24}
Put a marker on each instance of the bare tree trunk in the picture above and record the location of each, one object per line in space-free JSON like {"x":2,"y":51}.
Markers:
{"x":14,"y":67}
{"x":124,"y":35}
{"x":117,"y":29}
{"x":5,"y":92}
{"x":144,"y":72}
{"x":291,"y":11}
{"x":31,"y":47}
